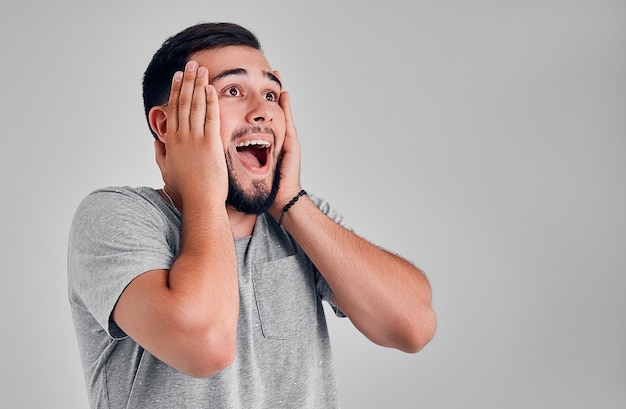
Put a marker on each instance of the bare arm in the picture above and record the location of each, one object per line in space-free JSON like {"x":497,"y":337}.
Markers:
{"x":187,"y":316}
{"x":386,"y":297}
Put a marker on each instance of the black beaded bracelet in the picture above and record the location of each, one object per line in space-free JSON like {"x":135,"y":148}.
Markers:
{"x":291,"y":203}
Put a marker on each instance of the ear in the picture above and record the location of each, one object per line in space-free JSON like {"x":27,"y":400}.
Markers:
{"x":157,"y":118}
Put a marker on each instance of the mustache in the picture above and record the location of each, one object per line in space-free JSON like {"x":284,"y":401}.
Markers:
{"x":249,"y":130}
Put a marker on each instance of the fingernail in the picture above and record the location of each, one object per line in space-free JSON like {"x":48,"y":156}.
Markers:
{"x":178,"y":76}
{"x":201,"y":71}
{"x":191,"y":65}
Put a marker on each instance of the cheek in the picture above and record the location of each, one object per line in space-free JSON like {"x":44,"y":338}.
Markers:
{"x":279,"y":126}
{"x":280,"y":139}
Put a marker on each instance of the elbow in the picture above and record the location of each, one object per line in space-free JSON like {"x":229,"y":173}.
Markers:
{"x":418,"y":333}
{"x":209,"y":357}
{"x":205,"y":347}
{"x":205,"y":367}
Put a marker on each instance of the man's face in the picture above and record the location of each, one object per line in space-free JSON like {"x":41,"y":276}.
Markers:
{"x":252,"y":123}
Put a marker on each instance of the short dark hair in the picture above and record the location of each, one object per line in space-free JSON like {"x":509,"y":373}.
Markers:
{"x":175,"y":51}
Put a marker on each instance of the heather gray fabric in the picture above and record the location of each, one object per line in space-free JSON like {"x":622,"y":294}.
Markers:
{"x":283,"y":351}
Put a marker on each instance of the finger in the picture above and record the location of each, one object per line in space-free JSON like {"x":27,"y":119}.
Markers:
{"x":212,"y":117}
{"x":186,"y":95}
{"x":172,"y":105}
{"x":197,"y":110}
{"x":285,"y":104}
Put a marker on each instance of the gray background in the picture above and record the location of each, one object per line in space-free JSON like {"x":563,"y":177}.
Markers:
{"x":483,"y":140}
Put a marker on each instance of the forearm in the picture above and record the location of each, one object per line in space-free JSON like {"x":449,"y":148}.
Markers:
{"x":386,"y":297}
{"x":203,"y":279}
{"x":187,"y":315}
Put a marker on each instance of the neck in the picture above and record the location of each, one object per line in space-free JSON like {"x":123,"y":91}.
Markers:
{"x":242,"y":224}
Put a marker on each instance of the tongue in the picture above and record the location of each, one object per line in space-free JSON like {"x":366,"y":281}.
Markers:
{"x":249,"y":158}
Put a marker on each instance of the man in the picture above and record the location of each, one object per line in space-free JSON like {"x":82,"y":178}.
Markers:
{"x":207,"y":293}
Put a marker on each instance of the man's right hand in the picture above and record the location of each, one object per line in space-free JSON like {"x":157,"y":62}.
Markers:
{"x":191,"y":154}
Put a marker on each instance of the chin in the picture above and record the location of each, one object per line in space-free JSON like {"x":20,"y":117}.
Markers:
{"x":256,"y":195}
{"x":257,"y":199}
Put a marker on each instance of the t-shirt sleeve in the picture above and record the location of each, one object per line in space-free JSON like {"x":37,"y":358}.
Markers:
{"x":323,"y":288}
{"x":115,"y":236}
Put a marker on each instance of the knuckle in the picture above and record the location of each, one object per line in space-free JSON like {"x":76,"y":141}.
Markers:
{"x":184,"y":100}
{"x":196,"y":106}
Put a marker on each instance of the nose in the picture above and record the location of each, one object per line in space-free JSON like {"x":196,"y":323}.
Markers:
{"x":259,"y":111}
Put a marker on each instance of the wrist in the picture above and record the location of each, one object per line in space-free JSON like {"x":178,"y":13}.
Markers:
{"x":280,"y":211}
{"x":205,"y":200}
{"x":288,"y":206}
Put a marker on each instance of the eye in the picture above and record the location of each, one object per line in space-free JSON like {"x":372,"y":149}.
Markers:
{"x":271,"y":96}
{"x":232,"y":91}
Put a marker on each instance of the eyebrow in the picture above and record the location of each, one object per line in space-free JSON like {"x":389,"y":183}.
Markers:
{"x":244,"y":72}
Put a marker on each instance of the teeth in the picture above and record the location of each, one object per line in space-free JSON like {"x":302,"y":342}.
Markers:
{"x":261,"y":143}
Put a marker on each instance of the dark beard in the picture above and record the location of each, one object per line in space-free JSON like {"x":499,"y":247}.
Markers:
{"x":260,"y":200}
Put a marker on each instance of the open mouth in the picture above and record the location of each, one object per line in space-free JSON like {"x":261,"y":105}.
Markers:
{"x":254,"y":154}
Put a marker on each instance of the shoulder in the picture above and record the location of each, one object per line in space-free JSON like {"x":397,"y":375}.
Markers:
{"x":120,"y":193}
{"x":116,"y":205}
{"x":120,"y":199}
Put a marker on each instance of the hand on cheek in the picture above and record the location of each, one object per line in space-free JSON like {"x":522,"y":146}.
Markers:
{"x":290,"y":169}
{"x":192,"y":153}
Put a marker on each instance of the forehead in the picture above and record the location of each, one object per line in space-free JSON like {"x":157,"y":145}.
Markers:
{"x":232,"y":57}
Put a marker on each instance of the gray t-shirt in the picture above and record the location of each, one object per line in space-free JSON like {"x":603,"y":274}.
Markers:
{"x":283,"y":351}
